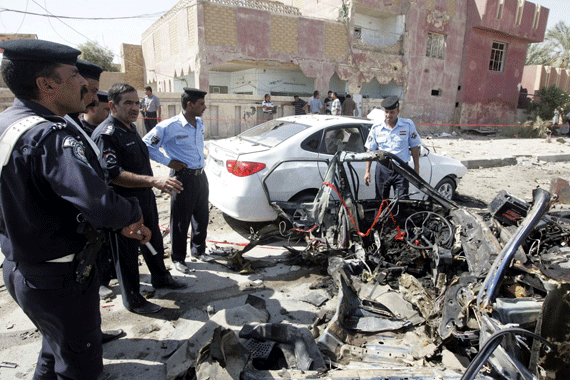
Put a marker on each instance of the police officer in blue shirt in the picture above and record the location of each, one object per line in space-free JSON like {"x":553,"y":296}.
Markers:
{"x":50,"y":182}
{"x":182,"y":138}
{"x":126,"y":159}
{"x":398,"y":136}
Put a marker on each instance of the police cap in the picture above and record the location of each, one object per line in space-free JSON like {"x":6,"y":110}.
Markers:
{"x":39,"y":50}
{"x":390,"y":103}
{"x":194,"y":91}
{"x":89,"y":70}
{"x":103,"y":96}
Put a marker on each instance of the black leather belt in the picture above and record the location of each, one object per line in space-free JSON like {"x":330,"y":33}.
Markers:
{"x":187,"y":171}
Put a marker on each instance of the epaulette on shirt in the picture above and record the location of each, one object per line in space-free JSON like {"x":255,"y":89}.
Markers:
{"x":109,"y":130}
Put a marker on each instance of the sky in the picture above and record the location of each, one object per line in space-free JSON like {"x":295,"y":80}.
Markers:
{"x":142,"y":13}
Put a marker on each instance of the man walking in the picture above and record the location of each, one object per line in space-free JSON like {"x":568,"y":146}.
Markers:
{"x":182,"y":138}
{"x":151,"y":109}
{"x":398,"y":136}
{"x":126,"y":159}
{"x":51,"y":186}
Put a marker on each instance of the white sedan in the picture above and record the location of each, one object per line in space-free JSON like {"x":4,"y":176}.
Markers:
{"x":291,"y":156}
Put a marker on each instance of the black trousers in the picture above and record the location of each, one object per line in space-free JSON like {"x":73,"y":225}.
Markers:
{"x":190,"y":206}
{"x":386,"y":177}
{"x":150,"y":120}
{"x":65,"y":312}
{"x":126,"y":251}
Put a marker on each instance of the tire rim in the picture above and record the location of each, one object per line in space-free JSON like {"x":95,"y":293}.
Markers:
{"x":446,"y":190}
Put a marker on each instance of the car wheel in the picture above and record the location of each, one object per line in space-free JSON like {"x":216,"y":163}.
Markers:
{"x":446,"y":187}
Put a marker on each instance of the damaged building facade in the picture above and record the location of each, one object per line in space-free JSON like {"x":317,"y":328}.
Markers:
{"x":450,"y":61}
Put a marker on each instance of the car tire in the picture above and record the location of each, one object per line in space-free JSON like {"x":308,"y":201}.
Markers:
{"x":446,"y":187}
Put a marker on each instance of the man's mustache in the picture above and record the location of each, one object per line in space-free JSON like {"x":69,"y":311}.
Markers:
{"x":92,"y":104}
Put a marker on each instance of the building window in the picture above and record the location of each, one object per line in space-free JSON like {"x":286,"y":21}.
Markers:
{"x":435,"y":45}
{"x":498,"y":53}
{"x":500,"y":7}
{"x":536,"y":18}
{"x":358,"y":33}
{"x":518,"y":14}
{"x":436,"y":92}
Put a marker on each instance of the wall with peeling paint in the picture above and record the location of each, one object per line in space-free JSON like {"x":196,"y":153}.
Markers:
{"x":199,"y":37}
{"x":488,"y":96}
{"x":429,"y":74}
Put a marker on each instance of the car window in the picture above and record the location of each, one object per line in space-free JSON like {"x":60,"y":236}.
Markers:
{"x":312,"y":142}
{"x":272,"y":132}
{"x":344,"y":138}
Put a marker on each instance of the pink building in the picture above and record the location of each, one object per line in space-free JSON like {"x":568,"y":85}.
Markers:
{"x":497,"y":35}
{"x":537,"y":76}
{"x":448,"y":60}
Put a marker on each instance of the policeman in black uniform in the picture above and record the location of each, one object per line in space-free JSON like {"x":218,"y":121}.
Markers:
{"x":92,"y":73}
{"x":96,"y":113}
{"x":126,"y":159}
{"x":51,"y":181}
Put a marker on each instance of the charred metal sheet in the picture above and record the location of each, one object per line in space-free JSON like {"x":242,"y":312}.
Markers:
{"x":556,"y":328}
{"x":479,"y":244}
{"x":458,"y":298}
{"x":300,"y":341}
{"x":495,"y":276}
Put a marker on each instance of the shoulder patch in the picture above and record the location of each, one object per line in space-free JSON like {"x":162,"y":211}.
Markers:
{"x":154,"y":140}
{"x":414,"y":135}
{"x":108,"y":130}
{"x":77,"y":148}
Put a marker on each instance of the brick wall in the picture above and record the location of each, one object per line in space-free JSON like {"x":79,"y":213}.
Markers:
{"x":221,"y":25}
{"x":284,"y":36}
{"x":133,"y":65}
{"x":336,"y":41}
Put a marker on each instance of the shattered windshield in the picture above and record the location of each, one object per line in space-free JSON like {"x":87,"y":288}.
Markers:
{"x":273,"y":132}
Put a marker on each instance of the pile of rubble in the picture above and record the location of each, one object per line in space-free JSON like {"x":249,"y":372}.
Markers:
{"x":425,"y":289}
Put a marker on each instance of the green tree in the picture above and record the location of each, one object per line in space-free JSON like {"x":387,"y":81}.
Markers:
{"x":554,"y":51}
{"x":92,"y":52}
{"x":546,"y":100}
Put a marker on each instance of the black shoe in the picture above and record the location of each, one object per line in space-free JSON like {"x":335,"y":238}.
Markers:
{"x":180,"y":266}
{"x":109,"y":335}
{"x":146,"y":308}
{"x":168,"y":283}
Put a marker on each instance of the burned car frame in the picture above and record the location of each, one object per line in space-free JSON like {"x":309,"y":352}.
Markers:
{"x":490,"y":287}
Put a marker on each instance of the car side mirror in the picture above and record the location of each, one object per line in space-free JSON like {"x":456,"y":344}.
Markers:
{"x":424,"y":151}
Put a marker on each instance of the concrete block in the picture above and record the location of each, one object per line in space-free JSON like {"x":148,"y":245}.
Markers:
{"x":489,"y":162}
{"x":553,"y":157}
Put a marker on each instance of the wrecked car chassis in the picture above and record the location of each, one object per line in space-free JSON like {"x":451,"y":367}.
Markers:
{"x":489,"y":289}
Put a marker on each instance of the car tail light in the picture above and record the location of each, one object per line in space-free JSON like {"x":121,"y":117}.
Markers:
{"x":243,"y":168}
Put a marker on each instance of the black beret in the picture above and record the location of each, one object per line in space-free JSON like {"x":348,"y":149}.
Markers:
{"x":39,"y":50}
{"x":194,"y":91}
{"x":103,"y":96}
{"x":89,"y":70}
{"x":390,"y":103}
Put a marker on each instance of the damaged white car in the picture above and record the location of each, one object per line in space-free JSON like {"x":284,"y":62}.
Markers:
{"x":286,"y":160}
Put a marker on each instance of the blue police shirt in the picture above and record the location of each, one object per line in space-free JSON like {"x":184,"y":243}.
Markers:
{"x":179,"y":139}
{"x":397,"y":140}
{"x":51,"y":176}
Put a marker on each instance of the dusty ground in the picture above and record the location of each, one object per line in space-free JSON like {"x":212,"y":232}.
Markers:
{"x":150,"y":340}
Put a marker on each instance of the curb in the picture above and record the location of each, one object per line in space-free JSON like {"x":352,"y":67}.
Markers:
{"x":510,"y":161}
